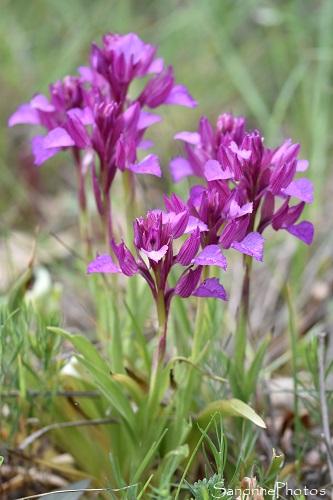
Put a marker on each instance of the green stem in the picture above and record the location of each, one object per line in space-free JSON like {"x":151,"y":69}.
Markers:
{"x":106,"y":222}
{"x":106,"y":218}
{"x":156,"y":390}
{"x":192,"y":378}
{"x":116,"y":344}
{"x":129,"y":196}
{"x":108,"y":328}
{"x":131,"y":294}
{"x":161,"y":314}
{"x":82,"y":202}
{"x":241,"y":326}
{"x":85,"y":233}
{"x":199,"y":328}
{"x":294,"y":350}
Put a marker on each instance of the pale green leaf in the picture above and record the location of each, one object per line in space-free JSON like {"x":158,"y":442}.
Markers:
{"x":84,"y":346}
{"x":229,"y":408}
{"x":100,"y":372}
{"x":273,"y":469}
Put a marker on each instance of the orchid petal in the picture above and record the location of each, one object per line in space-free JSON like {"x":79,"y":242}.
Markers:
{"x":155,"y":255}
{"x":85,"y":116}
{"x":303,"y":231}
{"x":214,"y":171}
{"x":58,"y":138}
{"x":178,"y":223}
{"x":39,"y":101}
{"x":40,"y":153}
{"x":189,"y":249}
{"x":125,"y":258}
{"x":179,"y":168}
{"x":228,"y":234}
{"x":24,"y":114}
{"x":189,"y":137}
{"x":149,"y":165}
{"x":193,"y":223}
{"x":301,"y":189}
{"x":165,"y":217}
{"x":86,"y":73}
{"x":103,"y":264}
{"x":174,"y":204}
{"x":89,"y":76}
{"x":145,"y":144}
{"x":196,"y":194}
{"x":77,"y":131}
{"x":130,"y":118}
{"x":211,"y":255}
{"x":187,"y":282}
{"x":302,"y":165}
{"x":179,"y":95}
{"x":252,"y":244}
{"x":157,"y":66}
{"x":242,"y":153}
{"x":237,"y":211}
{"x":146,"y":119}
{"x":212,"y":288}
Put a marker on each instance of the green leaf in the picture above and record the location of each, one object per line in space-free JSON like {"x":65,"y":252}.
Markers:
{"x":99,"y":371}
{"x":17,"y":292}
{"x":252,"y":375}
{"x":145,"y":486}
{"x":84,"y":346}
{"x":229,"y":408}
{"x":130,"y":385}
{"x":273,"y":469}
{"x":193,"y":455}
{"x":148,"y":457}
{"x":22,"y":383}
{"x":113,"y":392}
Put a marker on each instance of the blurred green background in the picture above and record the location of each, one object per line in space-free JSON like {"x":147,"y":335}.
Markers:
{"x":270,"y":61}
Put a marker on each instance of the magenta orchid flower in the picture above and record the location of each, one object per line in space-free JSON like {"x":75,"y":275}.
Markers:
{"x":239,"y":169}
{"x":155,"y":257}
{"x":50,"y":114}
{"x":205,"y":145}
{"x":96,"y":119}
{"x":153,"y":241}
{"x":262,"y":177}
{"x":226,"y":220}
{"x":121,"y":59}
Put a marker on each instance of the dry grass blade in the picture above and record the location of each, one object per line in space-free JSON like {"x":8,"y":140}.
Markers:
{"x":61,"y":425}
{"x":82,"y":490}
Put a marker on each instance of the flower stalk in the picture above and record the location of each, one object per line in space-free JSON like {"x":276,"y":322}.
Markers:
{"x":82,"y":203}
{"x":199,"y":328}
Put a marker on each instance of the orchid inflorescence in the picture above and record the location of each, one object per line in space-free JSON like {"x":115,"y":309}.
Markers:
{"x":238,"y":168}
{"x":245,"y":186}
{"x":94,"y":114}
